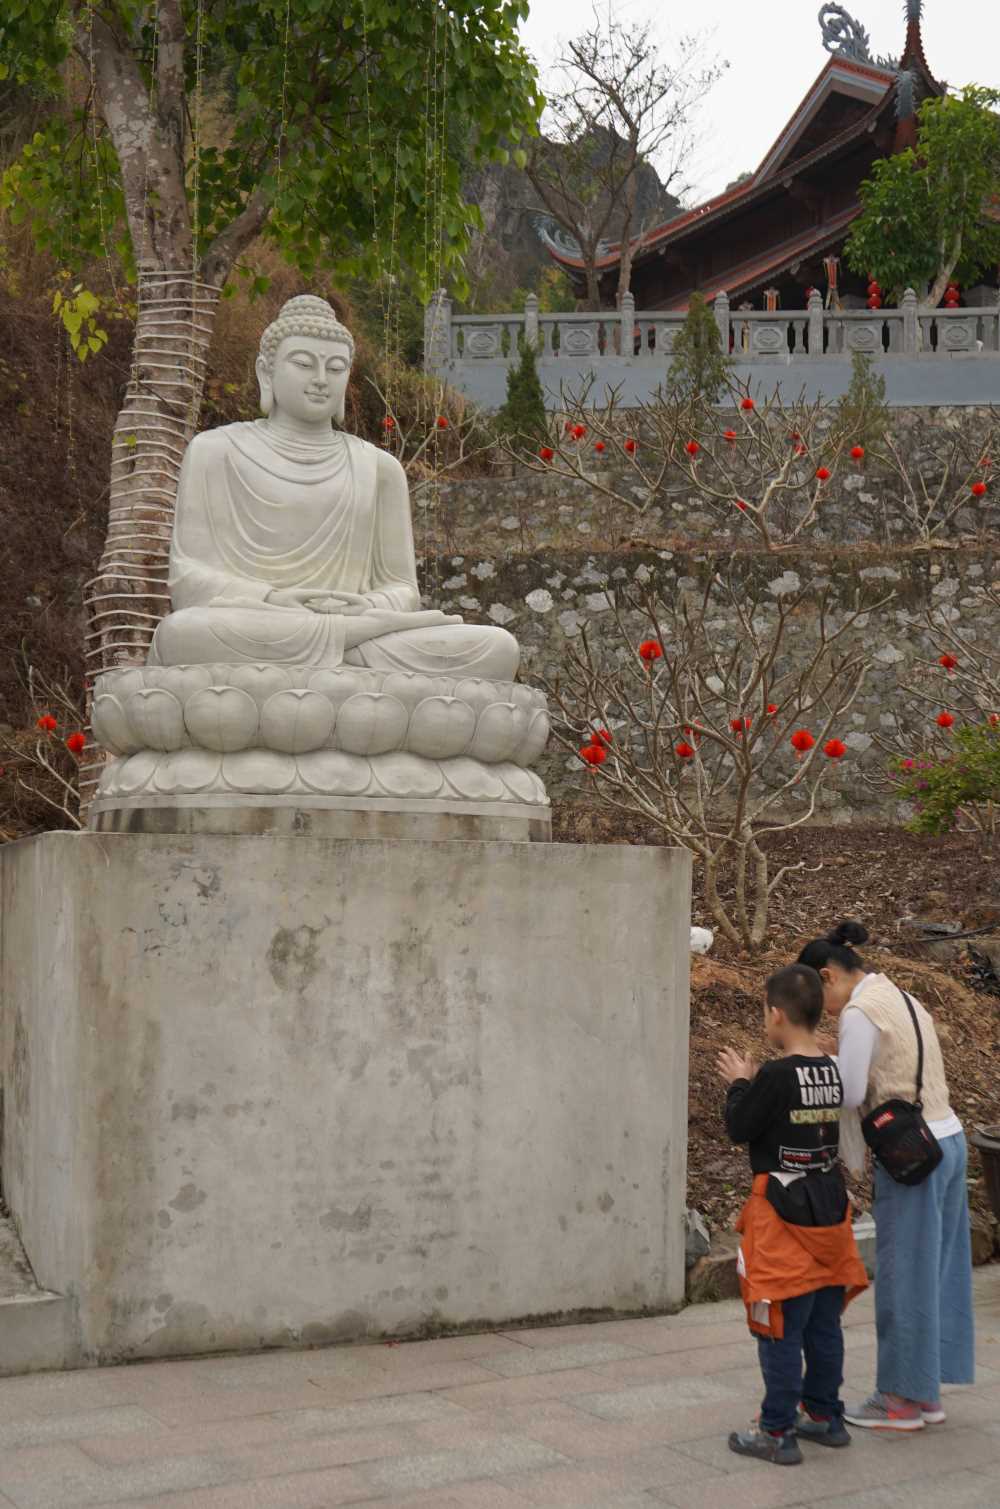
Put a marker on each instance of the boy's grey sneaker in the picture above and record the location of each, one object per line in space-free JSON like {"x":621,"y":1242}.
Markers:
{"x":880,"y":1413}
{"x":823,"y":1432}
{"x":782,"y":1450}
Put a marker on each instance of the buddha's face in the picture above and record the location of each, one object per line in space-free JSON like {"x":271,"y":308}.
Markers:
{"x":308,"y":379}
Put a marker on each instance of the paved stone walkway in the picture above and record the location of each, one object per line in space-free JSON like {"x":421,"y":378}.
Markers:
{"x":626,"y":1415}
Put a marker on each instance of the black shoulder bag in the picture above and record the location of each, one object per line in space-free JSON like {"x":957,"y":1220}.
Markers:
{"x":899,"y":1137}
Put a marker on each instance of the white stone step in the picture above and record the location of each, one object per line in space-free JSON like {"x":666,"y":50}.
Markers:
{"x":36,"y":1330}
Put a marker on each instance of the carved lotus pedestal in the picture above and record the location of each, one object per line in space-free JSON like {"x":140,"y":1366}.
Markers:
{"x":345,"y":753}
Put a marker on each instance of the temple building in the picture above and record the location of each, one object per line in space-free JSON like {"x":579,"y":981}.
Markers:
{"x":780,"y":233}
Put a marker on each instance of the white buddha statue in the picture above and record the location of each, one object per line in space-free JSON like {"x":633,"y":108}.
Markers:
{"x":293,"y":541}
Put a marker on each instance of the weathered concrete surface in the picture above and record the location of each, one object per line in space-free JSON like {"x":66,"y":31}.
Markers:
{"x":278,"y":1091}
{"x":36,"y":1329}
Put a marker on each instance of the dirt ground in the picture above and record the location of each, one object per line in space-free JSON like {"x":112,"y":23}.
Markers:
{"x":881,"y":877}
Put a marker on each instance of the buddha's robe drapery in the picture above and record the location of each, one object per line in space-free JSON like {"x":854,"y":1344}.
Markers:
{"x":258,"y":511}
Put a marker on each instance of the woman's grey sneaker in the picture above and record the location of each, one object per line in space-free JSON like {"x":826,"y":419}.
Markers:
{"x":782,"y":1450}
{"x":880,"y":1413}
{"x":932,"y":1412}
{"x":823,"y":1432}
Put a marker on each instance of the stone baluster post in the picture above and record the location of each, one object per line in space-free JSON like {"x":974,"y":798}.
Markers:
{"x":627,"y":328}
{"x":437,"y":332}
{"x":911,"y":324}
{"x":531,"y":321}
{"x":815,"y":323}
{"x":721,"y":307}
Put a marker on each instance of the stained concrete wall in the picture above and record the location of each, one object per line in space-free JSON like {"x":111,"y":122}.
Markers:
{"x":272,"y":1091}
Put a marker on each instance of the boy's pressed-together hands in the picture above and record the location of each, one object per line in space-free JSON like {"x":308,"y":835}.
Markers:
{"x":732,"y":1065}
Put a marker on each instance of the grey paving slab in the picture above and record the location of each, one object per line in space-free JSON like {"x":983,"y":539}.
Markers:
{"x":572,"y":1417}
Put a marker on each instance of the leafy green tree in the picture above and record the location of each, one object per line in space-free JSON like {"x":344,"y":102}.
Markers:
{"x":332,"y":142}
{"x":923,"y":218}
{"x":943,"y":787}
{"x":522,"y":420}
{"x":699,"y":368}
{"x":862,"y":415}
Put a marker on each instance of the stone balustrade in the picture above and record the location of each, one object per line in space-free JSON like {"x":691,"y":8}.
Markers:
{"x":806,"y":352}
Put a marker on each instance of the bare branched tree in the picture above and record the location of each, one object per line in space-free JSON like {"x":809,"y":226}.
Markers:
{"x":717,"y":738}
{"x":616,"y":103}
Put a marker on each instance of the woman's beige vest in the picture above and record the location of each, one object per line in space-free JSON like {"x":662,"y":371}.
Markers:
{"x":893,"y":1074}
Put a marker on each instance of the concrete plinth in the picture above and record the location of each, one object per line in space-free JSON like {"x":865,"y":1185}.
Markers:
{"x":285,"y":1090}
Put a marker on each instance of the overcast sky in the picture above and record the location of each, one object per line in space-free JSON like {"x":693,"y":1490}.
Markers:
{"x":774,"y":51}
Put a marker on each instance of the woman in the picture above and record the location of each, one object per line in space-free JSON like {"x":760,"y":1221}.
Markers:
{"x":923,"y":1260}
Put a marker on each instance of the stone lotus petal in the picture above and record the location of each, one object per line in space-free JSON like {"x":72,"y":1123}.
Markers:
{"x":480,"y":694}
{"x":260,"y":681}
{"x":296,"y":721}
{"x":346,"y":682}
{"x":187,"y":771}
{"x":499,"y":731}
{"x":522,"y":784}
{"x":473,"y":782}
{"x":407,"y":775}
{"x":371,"y":723}
{"x":259,"y":772}
{"x":441,"y":727}
{"x":331,"y":772}
{"x":134,"y":774}
{"x":157,"y":718}
{"x":533,"y":744}
{"x":111,"y":726}
{"x":223,"y":718}
{"x":122,"y":683}
{"x":182,"y":680}
{"x":412,"y":687}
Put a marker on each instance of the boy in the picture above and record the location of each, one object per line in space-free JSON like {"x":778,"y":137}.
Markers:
{"x":799,"y":1265}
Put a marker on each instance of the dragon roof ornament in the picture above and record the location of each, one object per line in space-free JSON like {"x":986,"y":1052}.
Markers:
{"x":845,"y":37}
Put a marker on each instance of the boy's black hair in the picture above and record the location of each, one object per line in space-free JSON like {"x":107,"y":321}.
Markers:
{"x":798,"y":991}
{"x":835,"y":948}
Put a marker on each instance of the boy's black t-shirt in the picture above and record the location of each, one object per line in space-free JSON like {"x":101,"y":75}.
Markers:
{"x":789,"y":1115}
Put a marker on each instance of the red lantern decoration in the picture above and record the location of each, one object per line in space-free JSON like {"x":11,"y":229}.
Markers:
{"x":979,"y":489}
{"x":76,"y":743}
{"x":945,"y":721}
{"x":602,"y":736}
{"x":835,"y":749}
{"x":47,"y":723}
{"x":692,"y":447}
{"x":802,"y":741}
{"x":630,"y":447}
{"x":857,"y":453}
{"x":650,"y":650}
{"x":442,"y":422}
{"x":747,"y":405}
{"x":388,"y":423}
{"x":949,"y":663}
{"x":730,"y":436}
{"x":593,"y":754}
{"x":823,"y":474}
{"x":684,"y":752}
{"x":600,"y":447}
{"x":579,"y":430}
{"x":772,"y":709}
{"x":740,"y":726}
{"x":740,"y":505}
{"x":546,"y":453}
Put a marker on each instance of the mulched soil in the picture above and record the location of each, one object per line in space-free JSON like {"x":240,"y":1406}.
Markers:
{"x":882,"y":877}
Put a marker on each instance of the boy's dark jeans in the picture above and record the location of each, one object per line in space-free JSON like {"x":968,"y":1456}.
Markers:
{"x":812,"y":1331}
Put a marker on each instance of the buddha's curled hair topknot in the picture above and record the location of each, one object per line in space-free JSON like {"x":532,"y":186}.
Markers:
{"x":304,"y":315}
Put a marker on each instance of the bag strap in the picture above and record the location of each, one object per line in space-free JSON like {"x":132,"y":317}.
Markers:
{"x":920,"y":1049}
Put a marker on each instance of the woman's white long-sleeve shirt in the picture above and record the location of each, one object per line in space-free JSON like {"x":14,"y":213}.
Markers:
{"x":857,"y":1046}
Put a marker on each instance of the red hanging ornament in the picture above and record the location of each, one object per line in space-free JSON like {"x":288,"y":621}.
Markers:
{"x":684,"y":752}
{"x":47,"y":723}
{"x":740,"y":505}
{"x":650,"y":650}
{"x":857,"y":453}
{"x":546,"y":453}
{"x":602,"y":736}
{"x":76,"y":743}
{"x":747,"y":405}
{"x":593,"y":754}
{"x":692,"y":447}
{"x":388,"y":423}
{"x":442,"y":422}
{"x":600,"y":447}
{"x":945,"y":720}
{"x":979,"y":489}
{"x":729,"y":436}
{"x":949,"y":663}
{"x":579,"y":430}
{"x":823,"y":474}
{"x":772,"y":709}
{"x":802,"y":741}
{"x":630,"y":447}
{"x":740,"y":726}
{"x":835,"y":749}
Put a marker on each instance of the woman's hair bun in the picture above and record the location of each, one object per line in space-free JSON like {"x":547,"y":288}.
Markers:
{"x":847,"y":934}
